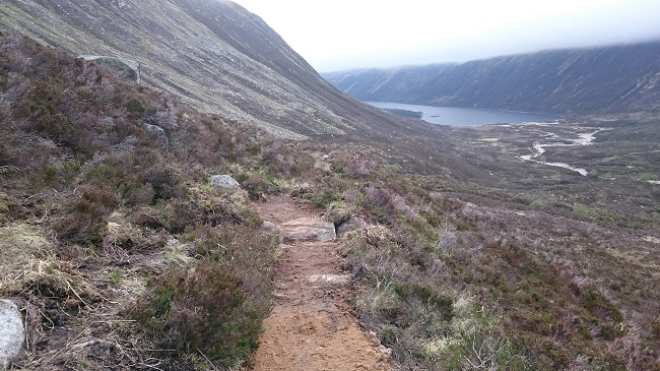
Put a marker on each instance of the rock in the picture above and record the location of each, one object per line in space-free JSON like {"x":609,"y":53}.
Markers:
{"x":336,"y":279}
{"x":160,"y":132}
{"x":224,"y":181}
{"x":119,"y":67}
{"x":12,"y":332}
{"x":302,"y":231}
{"x":127,"y":145}
{"x":385,"y":353}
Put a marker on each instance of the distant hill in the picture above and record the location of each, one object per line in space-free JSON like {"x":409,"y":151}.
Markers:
{"x":612,"y":79}
{"x":215,"y":54}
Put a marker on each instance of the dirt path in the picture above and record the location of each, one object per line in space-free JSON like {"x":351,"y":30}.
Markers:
{"x":311,"y":327}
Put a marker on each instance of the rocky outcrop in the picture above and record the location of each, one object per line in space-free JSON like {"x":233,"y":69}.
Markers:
{"x":214,"y":54}
{"x":12,"y":333}
{"x":123,"y":68}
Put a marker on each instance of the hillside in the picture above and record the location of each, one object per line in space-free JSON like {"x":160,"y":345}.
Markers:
{"x":603,"y":80}
{"x":408,"y":247}
{"x":214,"y":54}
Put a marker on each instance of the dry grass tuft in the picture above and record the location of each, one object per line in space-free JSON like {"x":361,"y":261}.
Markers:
{"x":25,"y":253}
{"x":29,"y":265}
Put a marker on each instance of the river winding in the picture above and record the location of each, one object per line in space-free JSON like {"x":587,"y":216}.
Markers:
{"x":585,"y":139}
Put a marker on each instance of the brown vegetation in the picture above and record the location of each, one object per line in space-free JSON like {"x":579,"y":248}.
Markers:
{"x":113,"y":242}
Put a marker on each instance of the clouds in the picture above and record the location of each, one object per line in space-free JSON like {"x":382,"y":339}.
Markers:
{"x":343,"y":34}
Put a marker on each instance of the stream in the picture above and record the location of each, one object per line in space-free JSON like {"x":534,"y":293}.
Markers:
{"x":582,"y":140}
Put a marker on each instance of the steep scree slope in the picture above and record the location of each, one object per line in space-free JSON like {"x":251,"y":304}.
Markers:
{"x":216,"y":54}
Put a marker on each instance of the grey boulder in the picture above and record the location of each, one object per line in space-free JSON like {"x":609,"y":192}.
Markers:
{"x":302,"y":230}
{"x":119,"y":67}
{"x":224,"y":181}
{"x":12,"y":333}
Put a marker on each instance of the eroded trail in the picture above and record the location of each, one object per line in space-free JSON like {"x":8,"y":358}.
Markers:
{"x":311,"y":327}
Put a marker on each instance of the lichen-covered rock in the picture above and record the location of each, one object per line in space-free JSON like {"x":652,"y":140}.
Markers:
{"x":12,"y":333}
{"x":224,"y":181}
{"x":120,"y":67}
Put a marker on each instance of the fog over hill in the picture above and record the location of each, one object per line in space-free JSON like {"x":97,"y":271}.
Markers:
{"x":613,"y":79}
{"x":215,"y":54}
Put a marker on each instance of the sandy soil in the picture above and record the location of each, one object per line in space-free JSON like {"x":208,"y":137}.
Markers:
{"x":311,"y":326}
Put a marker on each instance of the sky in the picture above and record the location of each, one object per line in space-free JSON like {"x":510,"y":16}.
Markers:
{"x":337,"y":35}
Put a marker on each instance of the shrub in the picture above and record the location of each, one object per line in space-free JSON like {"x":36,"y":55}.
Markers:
{"x":536,"y":204}
{"x":338,"y":213}
{"x":581,"y":210}
{"x":86,"y":220}
{"x":135,"y":108}
{"x":258,"y":186}
{"x":203,"y":309}
{"x":164,"y":182}
{"x":210,"y":207}
{"x":647,"y":177}
{"x":599,"y":305}
{"x":409,"y":291}
{"x":324,"y":197}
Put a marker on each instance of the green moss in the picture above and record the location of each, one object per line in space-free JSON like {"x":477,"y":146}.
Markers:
{"x":600,"y":306}
{"x":537,"y":204}
{"x":135,"y":108}
{"x":50,"y":174}
{"x":324,"y":197}
{"x":581,"y":210}
{"x":116,"y":277}
{"x":647,"y":177}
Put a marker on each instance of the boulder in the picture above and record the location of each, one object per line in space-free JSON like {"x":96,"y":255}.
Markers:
{"x":120,"y":67}
{"x":333,"y":279}
{"x":224,"y":181}
{"x":303,"y":230}
{"x":160,"y":132}
{"x":12,"y":332}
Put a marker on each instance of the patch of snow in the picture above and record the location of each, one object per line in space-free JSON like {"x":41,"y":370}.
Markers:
{"x":539,"y":123}
{"x":656,"y":182}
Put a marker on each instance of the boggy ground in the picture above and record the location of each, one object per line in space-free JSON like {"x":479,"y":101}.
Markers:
{"x":311,"y":326}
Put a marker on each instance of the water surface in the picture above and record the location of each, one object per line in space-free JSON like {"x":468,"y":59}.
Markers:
{"x":467,"y":116}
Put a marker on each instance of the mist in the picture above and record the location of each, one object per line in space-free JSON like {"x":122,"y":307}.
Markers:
{"x":345,"y":34}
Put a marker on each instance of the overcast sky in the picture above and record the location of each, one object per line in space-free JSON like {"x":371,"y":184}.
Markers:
{"x":344,"y":34}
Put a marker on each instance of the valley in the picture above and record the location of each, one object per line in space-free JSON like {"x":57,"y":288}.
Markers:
{"x":456,"y":116}
{"x":606,"y":80}
{"x":234,"y":211}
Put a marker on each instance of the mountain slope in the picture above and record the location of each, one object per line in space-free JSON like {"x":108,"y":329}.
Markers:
{"x":217,"y":55}
{"x":582,"y":81}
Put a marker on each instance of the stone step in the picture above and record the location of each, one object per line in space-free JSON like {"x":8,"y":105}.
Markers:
{"x":334,"y":279}
{"x":318,"y":231}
